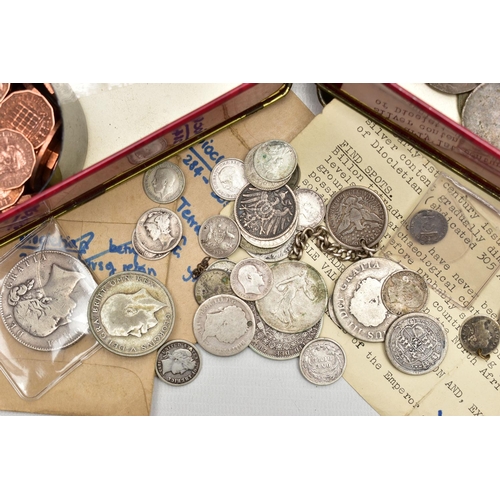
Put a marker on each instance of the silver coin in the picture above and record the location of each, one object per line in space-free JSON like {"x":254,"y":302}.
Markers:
{"x":355,"y":215}
{"x":210,"y":283}
{"x":224,"y":264}
{"x":164,"y":183}
{"x":404,"y":292}
{"x":331,"y":312}
{"x":428,"y":227}
{"x":228,"y":178}
{"x":159,"y":230}
{"x":416,"y":343}
{"x":43,"y":301}
{"x":224,"y":325}
{"x":322,"y":361}
{"x":481,"y":112}
{"x":131,"y":313}
{"x":273,"y":344}
{"x":255,"y":249}
{"x":357,"y":300}
{"x":251,"y":279}
{"x":294,"y":180}
{"x":254,"y":178}
{"x":480,"y":335}
{"x":219,"y":236}
{"x":275,"y":160}
{"x":275,"y":254}
{"x":453,"y":88}
{"x":311,"y":208}
{"x":297,"y":300}
{"x":461,"y":98}
{"x":178,"y":362}
{"x":143,"y":252}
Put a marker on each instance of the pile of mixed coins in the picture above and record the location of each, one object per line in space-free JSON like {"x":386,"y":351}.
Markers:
{"x":30,"y":140}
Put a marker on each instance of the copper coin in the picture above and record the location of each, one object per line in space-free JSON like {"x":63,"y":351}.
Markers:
{"x":17,"y":159}
{"x":29,"y":113}
{"x":44,"y":156}
{"x":4,"y":89}
{"x":9,"y":197}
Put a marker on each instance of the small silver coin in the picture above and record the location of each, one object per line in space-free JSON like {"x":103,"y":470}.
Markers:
{"x":131,"y":314}
{"x":254,"y":178}
{"x":224,"y":325}
{"x":428,"y":227}
{"x":276,"y":254}
{"x":251,"y":279}
{"x":294,"y":180}
{"x":404,"y":292}
{"x":416,"y":343}
{"x":453,"y":88}
{"x":311,"y":208}
{"x":275,"y":160}
{"x":159,"y":230}
{"x":178,"y":362}
{"x":219,"y":236}
{"x":273,"y":344}
{"x":357,"y":300}
{"x":297,"y":300}
{"x":228,"y":178}
{"x":224,"y":264}
{"x":210,"y":283}
{"x":481,"y":112}
{"x":355,"y":216}
{"x":322,"y":361}
{"x":164,"y":183}
{"x":43,"y":300}
{"x":480,"y":335}
{"x":143,"y":252}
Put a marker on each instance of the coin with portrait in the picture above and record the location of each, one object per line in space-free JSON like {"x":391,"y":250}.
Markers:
{"x":164,"y":183}
{"x":159,"y":230}
{"x":480,"y":335}
{"x":178,"y":362}
{"x":428,"y":227}
{"x":404,"y":292}
{"x":251,"y":279}
{"x":228,"y":178}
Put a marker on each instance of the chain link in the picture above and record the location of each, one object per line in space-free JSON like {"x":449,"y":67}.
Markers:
{"x":201,"y":268}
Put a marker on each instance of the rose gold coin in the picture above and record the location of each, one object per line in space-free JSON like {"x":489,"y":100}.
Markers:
{"x":43,"y":157}
{"x":8,"y":198}
{"x":29,"y":113}
{"x":4,"y":89}
{"x":17,"y":159}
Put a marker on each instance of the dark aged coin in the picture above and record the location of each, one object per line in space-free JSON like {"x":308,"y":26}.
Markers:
{"x":404,"y":292}
{"x":481,"y":112}
{"x":159,"y":230}
{"x":480,"y":335}
{"x":453,"y":88}
{"x":164,"y":183}
{"x":43,"y":301}
{"x":272,"y":344}
{"x":416,"y":343}
{"x":355,"y":216}
{"x":428,"y":227}
{"x":219,"y":236}
{"x":224,"y":325}
{"x":131,"y":313}
{"x":178,"y":362}
{"x":228,"y":178}
{"x":322,"y":361}
{"x":212,"y":282}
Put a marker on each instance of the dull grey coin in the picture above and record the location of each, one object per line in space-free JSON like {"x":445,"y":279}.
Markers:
{"x":224,"y":325}
{"x":159,"y":230}
{"x":255,"y":179}
{"x":275,"y":160}
{"x":44,"y":298}
{"x":131,"y":313}
{"x":224,"y":264}
{"x":228,"y":178}
{"x":210,"y":283}
{"x":404,"y":292}
{"x":311,"y":208}
{"x":178,"y":362}
{"x":453,"y":88}
{"x":219,"y":236}
{"x":357,"y":300}
{"x":294,"y":180}
{"x":480,"y":335}
{"x":275,"y":254}
{"x":322,"y":361}
{"x":144,"y":252}
{"x":251,"y":279}
{"x":164,"y":183}
{"x":428,"y":227}
{"x":416,"y":343}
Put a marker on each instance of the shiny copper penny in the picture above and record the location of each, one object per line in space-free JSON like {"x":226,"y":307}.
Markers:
{"x":4,"y":89}
{"x":8,"y":198}
{"x":17,"y":159}
{"x":44,"y":156}
{"x":29,"y":113}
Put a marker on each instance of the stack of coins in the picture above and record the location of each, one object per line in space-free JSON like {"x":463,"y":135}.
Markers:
{"x":30,"y":140}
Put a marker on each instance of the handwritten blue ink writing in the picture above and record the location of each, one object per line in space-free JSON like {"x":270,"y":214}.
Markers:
{"x":187,"y":215}
{"x":176,"y":251}
{"x":189,"y":277}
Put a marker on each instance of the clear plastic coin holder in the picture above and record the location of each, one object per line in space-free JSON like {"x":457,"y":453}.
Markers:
{"x":452,"y":239}
{"x":44,"y":294}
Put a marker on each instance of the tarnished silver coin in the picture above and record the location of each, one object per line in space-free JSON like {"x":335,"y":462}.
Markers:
{"x":273,"y":344}
{"x":43,"y":301}
{"x":224,"y":325}
{"x":144,"y":252}
{"x":311,"y":208}
{"x":355,"y":216}
{"x":178,"y":362}
{"x":480,"y":335}
{"x":212,"y":282}
{"x":294,"y":180}
{"x":416,"y":343}
{"x":254,"y":178}
{"x":159,"y":230}
{"x":274,"y":254}
{"x":481,"y":112}
{"x":251,"y":279}
{"x":461,"y":98}
{"x":228,"y":178}
{"x":164,"y":183}
{"x":428,"y":227}
{"x":224,"y":264}
{"x":297,"y":300}
{"x":131,"y":313}
{"x":357,"y":300}
{"x":219,"y":236}
{"x":275,"y":160}
{"x":322,"y":361}
{"x":453,"y":88}
{"x":404,"y":292}
{"x":331,"y":312}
